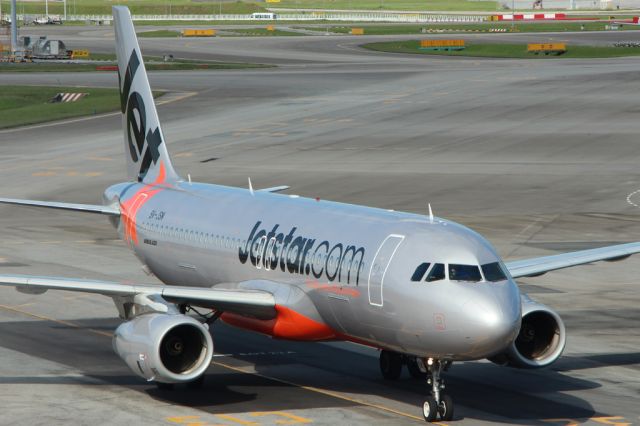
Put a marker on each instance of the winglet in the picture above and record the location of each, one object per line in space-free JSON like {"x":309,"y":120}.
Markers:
{"x":250,"y":186}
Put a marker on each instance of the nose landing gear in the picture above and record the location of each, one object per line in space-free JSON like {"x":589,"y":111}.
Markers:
{"x":437,"y":403}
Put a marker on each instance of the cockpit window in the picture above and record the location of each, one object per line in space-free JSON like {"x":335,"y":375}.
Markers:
{"x":469,"y":273}
{"x":436,"y":273}
{"x":420,"y":271}
{"x":493,"y":272}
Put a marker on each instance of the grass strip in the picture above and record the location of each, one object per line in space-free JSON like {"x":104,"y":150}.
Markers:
{"x":160,"y":33}
{"x":24,"y":105}
{"x":497,"y":50}
{"x":108,"y":66}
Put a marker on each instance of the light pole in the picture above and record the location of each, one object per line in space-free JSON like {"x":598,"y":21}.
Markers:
{"x":14,"y":28}
{"x":513,"y":15}
{"x":46,"y":7}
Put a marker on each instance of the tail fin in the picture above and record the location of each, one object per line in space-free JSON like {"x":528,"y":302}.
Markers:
{"x":147,"y":157}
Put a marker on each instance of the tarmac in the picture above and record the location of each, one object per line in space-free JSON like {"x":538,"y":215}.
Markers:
{"x":540,"y":156}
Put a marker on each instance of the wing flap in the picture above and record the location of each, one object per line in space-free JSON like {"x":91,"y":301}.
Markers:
{"x":260,"y":304}
{"x":540,"y":265}
{"x":87,"y":208}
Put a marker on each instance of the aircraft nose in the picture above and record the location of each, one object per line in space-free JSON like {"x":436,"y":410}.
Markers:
{"x":491,"y":325}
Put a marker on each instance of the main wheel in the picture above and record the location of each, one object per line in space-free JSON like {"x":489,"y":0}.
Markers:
{"x":390,"y":364}
{"x":446,"y":408}
{"x":429,"y":409}
{"x":414,"y":370}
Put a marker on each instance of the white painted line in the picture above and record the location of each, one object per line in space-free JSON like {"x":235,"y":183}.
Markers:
{"x":92,"y":117}
{"x":630,"y":196}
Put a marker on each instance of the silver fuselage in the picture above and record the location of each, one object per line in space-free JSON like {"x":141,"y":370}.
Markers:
{"x":341,"y":270}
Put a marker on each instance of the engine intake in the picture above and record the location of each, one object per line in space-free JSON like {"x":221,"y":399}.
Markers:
{"x":166,"y":348}
{"x":541,"y":339}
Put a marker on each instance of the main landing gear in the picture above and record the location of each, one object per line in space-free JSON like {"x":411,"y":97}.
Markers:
{"x":438,"y":403}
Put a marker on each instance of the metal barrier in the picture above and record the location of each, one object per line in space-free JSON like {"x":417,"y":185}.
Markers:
{"x":547,"y":48}
{"x":198,"y":33}
{"x":442,"y":44}
{"x":79,"y":53}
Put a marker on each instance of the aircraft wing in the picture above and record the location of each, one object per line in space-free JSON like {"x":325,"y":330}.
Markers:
{"x":274,"y":189}
{"x":540,"y":265}
{"x":260,"y":304}
{"x":89,"y":208}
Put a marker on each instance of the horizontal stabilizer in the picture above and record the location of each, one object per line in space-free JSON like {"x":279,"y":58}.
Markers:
{"x":87,"y":208}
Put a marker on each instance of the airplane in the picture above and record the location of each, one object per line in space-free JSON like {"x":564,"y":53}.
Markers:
{"x":424,"y":290}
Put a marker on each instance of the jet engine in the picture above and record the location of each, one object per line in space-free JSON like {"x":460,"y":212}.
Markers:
{"x":165,"y":348}
{"x":540,"y":341}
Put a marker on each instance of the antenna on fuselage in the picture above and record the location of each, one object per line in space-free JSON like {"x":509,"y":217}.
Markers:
{"x":430,"y":214}
{"x":250,"y":186}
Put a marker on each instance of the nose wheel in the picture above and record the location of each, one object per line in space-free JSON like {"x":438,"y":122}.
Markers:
{"x":438,"y":403}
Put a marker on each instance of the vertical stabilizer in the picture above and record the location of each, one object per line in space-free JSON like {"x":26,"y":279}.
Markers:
{"x":145,"y":149}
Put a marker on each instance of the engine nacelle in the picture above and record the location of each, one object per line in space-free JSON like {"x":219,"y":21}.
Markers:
{"x":541,"y":339}
{"x":165,"y":348}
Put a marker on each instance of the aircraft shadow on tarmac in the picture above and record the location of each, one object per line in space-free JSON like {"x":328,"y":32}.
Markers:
{"x":474,"y":385}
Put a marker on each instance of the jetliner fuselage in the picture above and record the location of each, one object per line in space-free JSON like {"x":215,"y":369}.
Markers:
{"x":338,"y":271}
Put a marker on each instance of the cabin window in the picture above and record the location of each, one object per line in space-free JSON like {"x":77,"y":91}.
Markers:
{"x":436,"y":273}
{"x":420,"y":271}
{"x":493,"y":272}
{"x":470,"y":273}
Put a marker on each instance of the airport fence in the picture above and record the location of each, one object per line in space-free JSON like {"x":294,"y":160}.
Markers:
{"x":309,"y":16}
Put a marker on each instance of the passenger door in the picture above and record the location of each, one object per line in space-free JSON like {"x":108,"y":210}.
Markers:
{"x":379,"y":267}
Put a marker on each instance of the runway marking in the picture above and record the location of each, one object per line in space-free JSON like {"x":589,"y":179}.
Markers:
{"x":271,"y":353}
{"x":188,"y":420}
{"x":292,"y":419}
{"x":173,"y":97}
{"x":610,"y":420}
{"x":284,"y":418}
{"x":606,"y":420}
{"x":236,"y":420}
{"x":67,"y":323}
{"x":526,"y":228}
{"x":59,"y":123}
{"x":236,"y":369}
{"x":70,"y":173}
{"x":630,"y":196}
{"x":327,"y":392}
{"x":92,"y":117}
